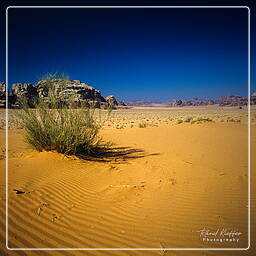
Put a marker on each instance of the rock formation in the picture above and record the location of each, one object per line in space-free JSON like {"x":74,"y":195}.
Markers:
{"x":226,"y":100}
{"x":253,"y":99}
{"x":111,"y":100}
{"x":121,"y":103}
{"x":24,"y":91}
{"x":2,"y":94}
{"x":66,"y":89}
{"x":11,"y":98}
{"x":81,"y":94}
{"x":232,"y":100}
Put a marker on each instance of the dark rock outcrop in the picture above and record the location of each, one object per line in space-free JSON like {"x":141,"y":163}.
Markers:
{"x":232,"y":100}
{"x":66,"y":89}
{"x":24,"y":91}
{"x":11,"y":98}
{"x":193,"y":102}
{"x":226,"y":100}
{"x":63,"y":90}
{"x":2,"y":94}
{"x":111,"y":100}
{"x":253,"y":99}
{"x":175,"y":103}
{"x":121,"y":103}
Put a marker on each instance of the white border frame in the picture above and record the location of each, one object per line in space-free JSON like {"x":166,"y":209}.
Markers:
{"x":133,"y":249}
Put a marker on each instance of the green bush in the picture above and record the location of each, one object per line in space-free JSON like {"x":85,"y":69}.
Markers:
{"x":203,"y":119}
{"x":234,"y":120}
{"x":142,"y":124}
{"x":179,"y":121}
{"x":188,"y":119}
{"x":62,"y":128}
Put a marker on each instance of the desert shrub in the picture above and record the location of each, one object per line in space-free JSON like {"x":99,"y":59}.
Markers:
{"x":204,"y":119}
{"x":142,"y":124}
{"x":120,"y":126}
{"x":179,"y":121}
{"x":188,"y":119}
{"x":51,"y":126}
{"x":234,"y":120}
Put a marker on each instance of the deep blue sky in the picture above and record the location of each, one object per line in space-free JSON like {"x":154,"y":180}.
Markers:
{"x":153,"y":54}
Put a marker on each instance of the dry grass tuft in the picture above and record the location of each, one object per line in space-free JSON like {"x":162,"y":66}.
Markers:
{"x":142,"y":124}
{"x":62,"y":128}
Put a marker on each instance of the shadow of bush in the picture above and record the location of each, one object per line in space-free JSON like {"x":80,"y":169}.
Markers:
{"x":116,"y":154}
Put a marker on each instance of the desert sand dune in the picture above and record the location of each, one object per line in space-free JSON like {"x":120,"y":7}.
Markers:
{"x":172,"y":182}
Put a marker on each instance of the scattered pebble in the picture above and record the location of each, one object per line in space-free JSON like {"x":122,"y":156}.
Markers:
{"x":39,"y":211}
{"x":19,"y":191}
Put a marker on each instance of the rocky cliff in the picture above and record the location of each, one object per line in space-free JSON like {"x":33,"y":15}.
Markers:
{"x":2,"y":94}
{"x":81,"y":93}
{"x":70,"y":88}
{"x":23,"y":91}
{"x":67,"y":89}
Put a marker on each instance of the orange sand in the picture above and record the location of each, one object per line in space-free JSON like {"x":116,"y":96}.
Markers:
{"x":172,"y":182}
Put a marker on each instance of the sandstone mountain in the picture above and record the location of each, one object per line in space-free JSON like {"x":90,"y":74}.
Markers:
{"x":70,"y":88}
{"x":81,"y":93}
{"x":67,"y":89}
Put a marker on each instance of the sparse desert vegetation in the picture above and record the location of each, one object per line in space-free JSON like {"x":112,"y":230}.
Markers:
{"x":63,"y":128}
{"x":188,"y":119}
{"x":154,"y":117}
{"x":68,"y":131}
{"x":142,"y":124}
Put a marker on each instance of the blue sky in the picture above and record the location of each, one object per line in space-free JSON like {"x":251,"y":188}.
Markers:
{"x":151,"y":54}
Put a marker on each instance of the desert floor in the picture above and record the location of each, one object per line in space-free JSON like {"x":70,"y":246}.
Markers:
{"x":163,"y":184}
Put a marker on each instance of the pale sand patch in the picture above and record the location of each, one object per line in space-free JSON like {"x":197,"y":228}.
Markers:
{"x":184,"y":178}
{"x":132,"y":117}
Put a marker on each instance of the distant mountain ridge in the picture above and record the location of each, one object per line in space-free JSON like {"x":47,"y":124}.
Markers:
{"x":143,"y":103}
{"x":84,"y":93}
{"x":225,"y":100}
